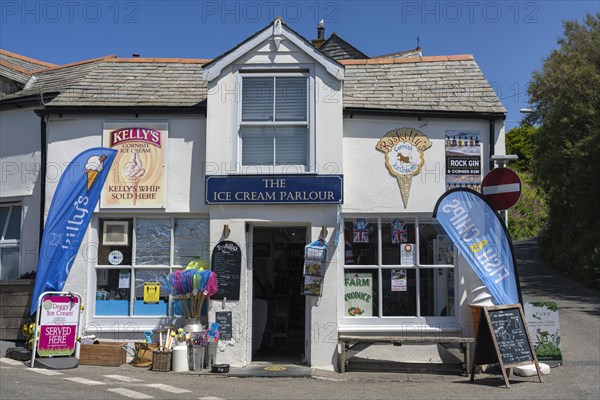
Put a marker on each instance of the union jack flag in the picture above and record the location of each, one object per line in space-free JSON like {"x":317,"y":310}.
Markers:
{"x":361,"y":230}
{"x":399,"y":232}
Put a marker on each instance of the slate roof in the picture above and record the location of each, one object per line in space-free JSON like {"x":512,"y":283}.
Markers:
{"x":138,"y":83}
{"x":19,"y":68}
{"x":132,"y":82}
{"x":30,"y":64}
{"x":55,"y":79}
{"x":403,"y":54}
{"x":338,"y":49}
{"x":13,"y":72}
{"x":438,"y":83}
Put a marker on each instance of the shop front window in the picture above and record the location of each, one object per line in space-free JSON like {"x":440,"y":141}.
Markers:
{"x":362,"y":241}
{"x":407,"y":267}
{"x":10,"y":241}
{"x":135,"y":257}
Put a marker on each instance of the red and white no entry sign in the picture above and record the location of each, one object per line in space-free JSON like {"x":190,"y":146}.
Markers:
{"x":502,"y":188}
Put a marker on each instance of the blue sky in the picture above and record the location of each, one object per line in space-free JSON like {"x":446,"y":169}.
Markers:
{"x":508,"y":38}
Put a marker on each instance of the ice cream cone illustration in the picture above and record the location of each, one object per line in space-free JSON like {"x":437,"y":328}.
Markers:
{"x":134,"y":170}
{"x":403,"y":149}
{"x":404,"y":182}
{"x":94,"y":165}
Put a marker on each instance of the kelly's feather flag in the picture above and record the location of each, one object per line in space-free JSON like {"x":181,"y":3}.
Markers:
{"x":74,"y":200}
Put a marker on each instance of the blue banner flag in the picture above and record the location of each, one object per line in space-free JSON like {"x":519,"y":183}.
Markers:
{"x":480,"y":235}
{"x":74,"y":200}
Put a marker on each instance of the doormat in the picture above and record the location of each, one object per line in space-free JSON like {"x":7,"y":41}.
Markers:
{"x":268,"y":370}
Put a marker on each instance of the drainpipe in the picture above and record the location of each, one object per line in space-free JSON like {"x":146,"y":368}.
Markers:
{"x":43,"y":171}
{"x":492,"y":141}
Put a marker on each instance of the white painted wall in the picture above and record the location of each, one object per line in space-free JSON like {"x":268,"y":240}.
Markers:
{"x":222,"y":149}
{"x":368,"y":185}
{"x":19,"y":175}
{"x":224,"y":97}
{"x":71,"y":134}
{"x":321,"y":311}
{"x":369,"y":189}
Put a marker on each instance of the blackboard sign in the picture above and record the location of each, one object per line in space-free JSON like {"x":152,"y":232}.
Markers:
{"x":227,"y":264}
{"x":511,"y":336}
{"x":503,"y":338}
{"x":224,"y":319}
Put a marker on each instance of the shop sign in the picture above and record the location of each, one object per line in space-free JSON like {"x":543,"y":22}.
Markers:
{"x":59,"y":320}
{"x":358,"y":295}
{"x":274,"y":189}
{"x":73,"y":203}
{"x":137,"y":177}
{"x":404,"y":156}
{"x":481,"y":237}
{"x":227,"y":265}
{"x":463,"y":159}
{"x":544,"y":329}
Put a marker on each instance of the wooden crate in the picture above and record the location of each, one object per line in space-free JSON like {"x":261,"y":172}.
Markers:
{"x":107,"y":354}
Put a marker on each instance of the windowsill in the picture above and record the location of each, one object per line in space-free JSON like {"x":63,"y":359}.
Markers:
{"x":17,"y":281}
{"x":413,"y":327}
{"x":259,"y":170}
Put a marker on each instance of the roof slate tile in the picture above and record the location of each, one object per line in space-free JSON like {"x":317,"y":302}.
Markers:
{"x":444,"y":83}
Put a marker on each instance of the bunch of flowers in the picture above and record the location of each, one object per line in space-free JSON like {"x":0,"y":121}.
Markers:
{"x":198,"y":339}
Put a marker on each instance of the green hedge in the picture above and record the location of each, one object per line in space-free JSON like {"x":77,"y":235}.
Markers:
{"x":528,"y":217}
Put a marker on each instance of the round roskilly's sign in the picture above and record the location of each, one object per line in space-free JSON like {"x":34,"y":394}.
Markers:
{"x":502,"y":188}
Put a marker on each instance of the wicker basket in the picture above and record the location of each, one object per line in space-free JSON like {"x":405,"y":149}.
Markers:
{"x":161,"y":360}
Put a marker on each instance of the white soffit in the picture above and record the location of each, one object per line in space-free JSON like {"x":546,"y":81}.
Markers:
{"x":276,"y":30}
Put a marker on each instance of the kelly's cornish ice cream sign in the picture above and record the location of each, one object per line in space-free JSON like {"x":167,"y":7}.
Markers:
{"x":403,"y":149}
{"x":137,"y":177}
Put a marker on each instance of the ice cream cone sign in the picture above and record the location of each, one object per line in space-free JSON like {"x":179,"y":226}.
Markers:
{"x":94,"y":165}
{"x":403,"y":149}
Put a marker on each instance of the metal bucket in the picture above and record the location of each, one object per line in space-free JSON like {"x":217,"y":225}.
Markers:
{"x":211,"y":355}
{"x":196,"y":358}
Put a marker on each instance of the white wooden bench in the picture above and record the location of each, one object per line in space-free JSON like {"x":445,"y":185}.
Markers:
{"x":357,"y":343}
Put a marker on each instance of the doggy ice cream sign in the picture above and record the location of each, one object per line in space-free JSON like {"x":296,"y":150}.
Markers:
{"x":403,"y":149}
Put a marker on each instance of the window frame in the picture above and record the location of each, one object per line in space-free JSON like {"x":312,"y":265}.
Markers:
{"x":133,"y":266}
{"x":379,"y":322}
{"x":12,"y":243}
{"x":274,"y":71}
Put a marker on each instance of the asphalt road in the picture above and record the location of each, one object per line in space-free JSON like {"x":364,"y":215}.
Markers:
{"x":578,"y":378}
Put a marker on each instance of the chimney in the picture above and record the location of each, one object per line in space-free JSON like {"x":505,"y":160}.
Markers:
{"x":318,"y":42}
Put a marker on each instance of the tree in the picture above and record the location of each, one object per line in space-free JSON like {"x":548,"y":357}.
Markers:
{"x":565,"y":94}
{"x":528,"y":217}
{"x":520,"y":141}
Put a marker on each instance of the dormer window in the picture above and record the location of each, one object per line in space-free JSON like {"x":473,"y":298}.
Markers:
{"x":274,"y":123}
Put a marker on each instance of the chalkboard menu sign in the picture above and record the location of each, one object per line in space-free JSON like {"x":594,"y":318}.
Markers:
{"x":503,"y":338}
{"x":227,"y":264}
{"x":224,"y":319}
{"x":511,"y":336}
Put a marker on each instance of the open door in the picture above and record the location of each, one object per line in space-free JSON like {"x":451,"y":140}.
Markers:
{"x":279,"y":308}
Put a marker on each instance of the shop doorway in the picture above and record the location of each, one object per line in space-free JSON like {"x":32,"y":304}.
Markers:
{"x":278,"y":307}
